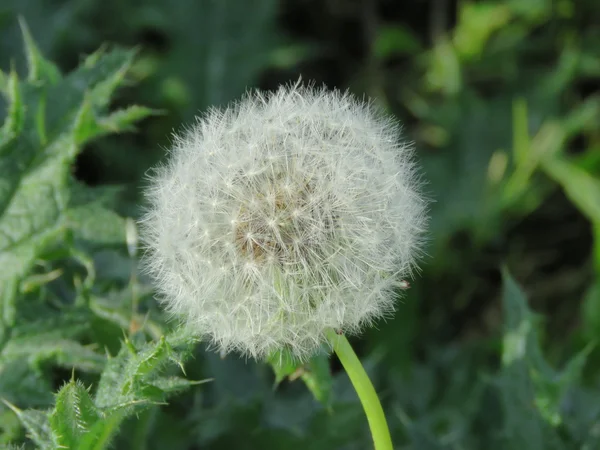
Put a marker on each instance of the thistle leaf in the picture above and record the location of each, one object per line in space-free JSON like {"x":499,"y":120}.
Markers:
{"x":49,"y":117}
{"x":135,"y":376}
{"x":73,"y":416}
{"x":16,"y":112}
{"x":532,"y":390}
{"x":40,"y":69}
{"x":37,"y":426}
{"x":95,"y":224}
{"x":124,"y":119}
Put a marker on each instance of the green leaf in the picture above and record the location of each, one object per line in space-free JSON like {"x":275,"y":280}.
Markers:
{"x":532,"y":391}
{"x":124,"y":119}
{"x":580,"y":186}
{"x":105,"y":72}
{"x":53,"y":339}
{"x":86,"y":122}
{"x":100,"y":434}
{"x":3,"y":83}
{"x":444,"y":72}
{"x":548,"y":142}
{"x":315,"y":373}
{"x":78,"y":424}
{"x":551,"y":390}
{"x":590,"y":312}
{"x":13,"y":123}
{"x":395,"y":40}
{"x":40,"y":69}
{"x":523,"y":425}
{"x":37,"y":426}
{"x":32,"y":345}
{"x":226,"y":66}
{"x":8,"y":298}
{"x":49,"y":117}
{"x":10,"y":428}
{"x":104,"y":195}
{"x":73,"y":416}
{"x":88,"y":126}
{"x":283,"y":364}
{"x":476,"y":23}
{"x":318,"y":379}
{"x":96,"y":224}
{"x":135,"y":376}
{"x":520,"y":131}
{"x":172,"y":385}
{"x":21,"y":385}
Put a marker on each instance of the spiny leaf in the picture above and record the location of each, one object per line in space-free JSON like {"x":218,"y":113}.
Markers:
{"x":13,"y":123}
{"x":525,"y":426}
{"x":37,"y":426}
{"x":53,"y":339}
{"x":30,"y":345}
{"x":105,"y":72}
{"x":65,"y":324}
{"x":22,"y":386}
{"x":175,"y":384}
{"x":89,"y":126}
{"x":40,"y":139}
{"x":48,"y":118}
{"x":78,"y":424}
{"x":134,"y":376}
{"x":64,"y":353}
{"x":40,"y":69}
{"x":551,"y":391}
{"x":100,"y":434}
{"x":124,"y":119}
{"x":86,"y":122}
{"x":523,"y":423}
{"x":73,"y":416}
{"x":15,"y":447}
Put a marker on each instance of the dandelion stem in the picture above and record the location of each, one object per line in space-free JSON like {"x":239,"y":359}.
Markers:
{"x":365,"y":390}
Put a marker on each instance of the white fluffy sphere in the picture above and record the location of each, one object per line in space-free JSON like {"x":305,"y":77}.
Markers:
{"x":282,"y":216}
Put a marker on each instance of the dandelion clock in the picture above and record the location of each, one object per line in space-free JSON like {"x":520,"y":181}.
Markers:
{"x":284,"y":222}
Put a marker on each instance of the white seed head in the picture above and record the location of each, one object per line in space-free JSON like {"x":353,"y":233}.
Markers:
{"x":282,"y":216}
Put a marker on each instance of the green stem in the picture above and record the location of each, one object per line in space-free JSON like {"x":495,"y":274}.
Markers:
{"x":365,"y":390}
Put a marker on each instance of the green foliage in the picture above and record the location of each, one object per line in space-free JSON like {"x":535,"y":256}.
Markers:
{"x":134,"y":377}
{"x":534,"y":394}
{"x":501,"y":99}
{"x":50,"y":117}
{"x":48,"y":216}
{"x":37,"y":151}
{"x":315,"y":373}
{"x":129,"y":382}
{"x":74,"y":416}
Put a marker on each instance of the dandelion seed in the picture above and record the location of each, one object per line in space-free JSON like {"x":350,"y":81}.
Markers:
{"x":283,"y":216}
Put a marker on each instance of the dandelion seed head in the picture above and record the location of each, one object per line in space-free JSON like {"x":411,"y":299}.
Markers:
{"x":281,"y":216}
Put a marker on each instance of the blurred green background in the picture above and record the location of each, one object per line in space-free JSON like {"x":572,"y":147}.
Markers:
{"x":501,"y":99}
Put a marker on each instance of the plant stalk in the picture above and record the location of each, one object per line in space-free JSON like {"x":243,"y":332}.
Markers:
{"x":365,"y":390}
